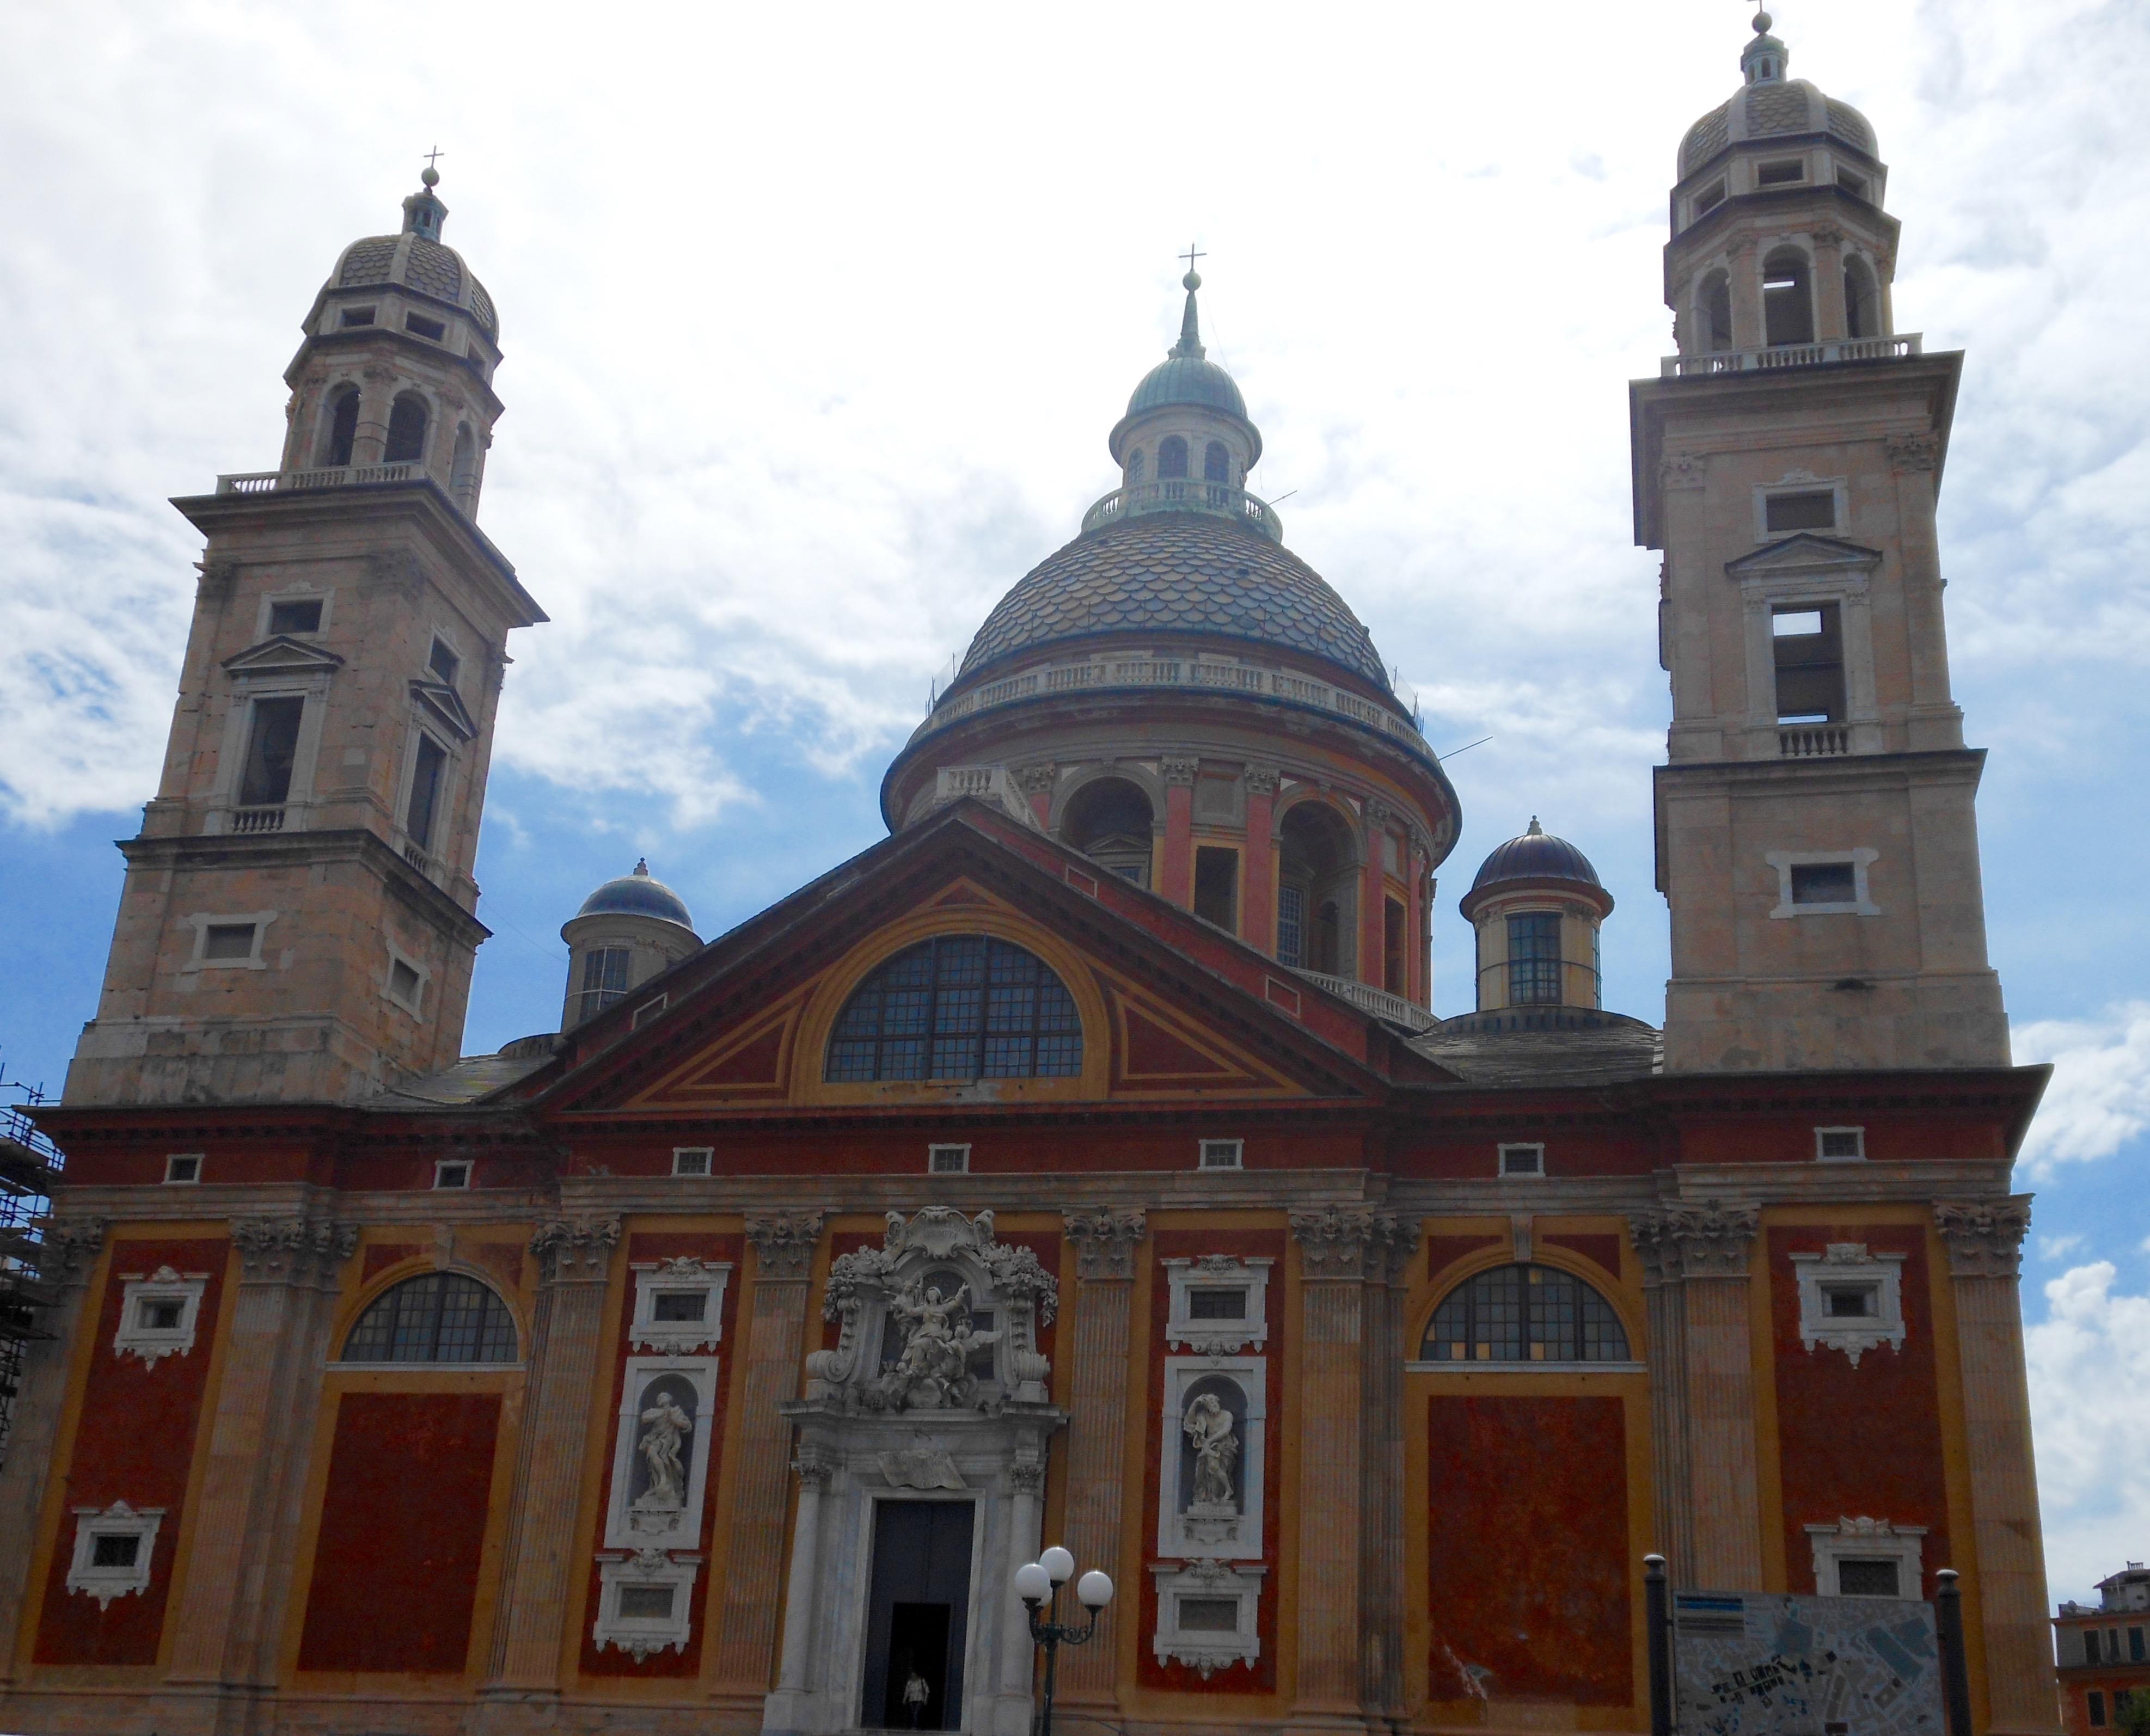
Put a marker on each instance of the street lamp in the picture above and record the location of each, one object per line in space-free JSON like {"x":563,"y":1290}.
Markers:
{"x":1038,"y":1585}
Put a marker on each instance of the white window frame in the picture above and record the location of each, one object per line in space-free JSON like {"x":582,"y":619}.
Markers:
{"x":462,"y":1169}
{"x":684,"y":1154}
{"x":119,"y":1520}
{"x":1845,"y":1265}
{"x":1869,"y":1540}
{"x":624,"y":1528}
{"x":173,"y":1160}
{"x":396,"y":956}
{"x":1536,"y":1173}
{"x":1862,"y":903}
{"x":647,"y":1011}
{"x":1217,"y":1271}
{"x":201,"y":922}
{"x":151,"y":1344}
{"x":1235,"y":1538}
{"x":670,"y":1276}
{"x":947,"y":1160}
{"x":298,"y":593}
{"x":1771,"y":579}
{"x":1800,"y":482}
{"x":1205,"y":1651}
{"x":1229,"y":1154}
{"x":642,"y":1637}
{"x":1822,"y":1155}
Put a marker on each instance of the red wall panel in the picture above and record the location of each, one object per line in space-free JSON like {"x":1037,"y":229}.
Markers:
{"x":135,"y":1443}
{"x":403,"y":1532}
{"x":1528,"y":1550}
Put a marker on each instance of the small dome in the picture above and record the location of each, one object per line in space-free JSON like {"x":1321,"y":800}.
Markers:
{"x":417,"y":260}
{"x":1772,"y":106}
{"x":1537,"y":855}
{"x":1187,"y":380}
{"x":638,"y":895}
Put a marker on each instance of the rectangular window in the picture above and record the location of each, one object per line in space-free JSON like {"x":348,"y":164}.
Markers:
{"x":1852,"y":1301}
{"x":1534,"y":960}
{"x":604,"y":980}
{"x":1208,"y":1615}
{"x":1854,"y":184}
{"x":2096,"y":1708}
{"x":1866,"y":1578}
{"x":1825,"y":883}
{"x":429,"y":763}
{"x":106,"y":1551}
{"x":443,"y":663}
{"x":1221,"y":1155}
{"x":272,"y":746}
{"x":1814,"y":510}
{"x":646,"y":1602}
{"x":403,"y":984}
{"x":433,"y":329}
{"x":451,"y":1172}
{"x":228,"y":940}
{"x":2135,"y":1654}
{"x":1291,"y":926}
{"x":158,"y":1314}
{"x":1710,"y":199}
{"x":1522,"y":1160}
{"x":303,"y":616}
{"x":1215,"y":1303}
{"x":1780,"y":174}
{"x":647,"y":1011}
{"x":357,"y":316}
{"x":183,"y":1166}
{"x":692,"y":1159}
{"x":947,"y":1160}
{"x":679,"y":1305}
{"x":1839,"y":1145}
{"x":1216,"y":886}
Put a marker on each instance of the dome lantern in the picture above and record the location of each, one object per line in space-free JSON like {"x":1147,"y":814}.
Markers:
{"x":627,"y":931}
{"x":1536,"y":905}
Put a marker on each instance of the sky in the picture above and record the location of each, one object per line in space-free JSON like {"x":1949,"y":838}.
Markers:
{"x":815,"y":321}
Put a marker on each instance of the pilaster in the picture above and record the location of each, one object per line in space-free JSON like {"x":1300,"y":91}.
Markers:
{"x":1176,"y":873}
{"x":1381,"y":1600}
{"x":1258,"y":924}
{"x":1106,"y":1240}
{"x":1984,"y":1241}
{"x":1373,"y":897}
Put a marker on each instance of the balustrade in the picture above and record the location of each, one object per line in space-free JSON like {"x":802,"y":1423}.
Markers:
{"x":1898,"y":347}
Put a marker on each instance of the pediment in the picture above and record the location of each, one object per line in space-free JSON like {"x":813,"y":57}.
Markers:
{"x":1803,"y":552}
{"x":446,"y":708}
{"x":281,"y":655}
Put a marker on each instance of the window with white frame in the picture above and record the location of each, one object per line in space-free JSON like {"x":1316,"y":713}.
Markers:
{"x":1219,"y":1304}
{"x":1208,"y":1615}
{"x":451,"y":1172}
{"x":678,"y":1305}
{"x":1851,"y":1299}
{"x":693,"y":1159}
{"x":182,"y":1168}
{"x":1822,"y":882}
{"x":645,"y":1602}
{"x":647,"y":1011}
{"x":113,"y":1549}
{"x":406,"y":985}
{"x":1867,"y":1558}
{"x":1840,"y":1145}
{"x":156,"y":1314}
{"x":1221,"y":1155}
{"x":1526,"y":1161}
{"x":947,"y":1160}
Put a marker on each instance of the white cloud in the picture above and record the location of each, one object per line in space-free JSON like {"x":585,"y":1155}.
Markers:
{"x":2090,"y":1407}
{"x":2100,"y":1095}
{"x":2052,"y":1248}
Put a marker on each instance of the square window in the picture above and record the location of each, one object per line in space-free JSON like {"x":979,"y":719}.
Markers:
{"x":646,"y":1602}
{"x":947,"y":1160}
{"x":228,"y":940}
{"x":1809,"y":510}
{"x":443,"y":662}
{"x":1852,"y":1301}
{"x":1221,"y":1155}
{"x":183,"y":1166}
{"x":1523,"y":1160}
{"x":303,"y":615}
{"x":1851,"y":1298}
{"x":1780,"y":174}
{"x":692,"y":1159}
{"x":1840,"y":1145}
{"x":677,"y":1305}
{"x":451,"y":1172}
{"x":403,"y":984}
{"x":1825,"y":883}
{"x":434,"y":329}
{"x":358,"y":316}
{"x":160,"y":1314}
{"x":109,"y":1549}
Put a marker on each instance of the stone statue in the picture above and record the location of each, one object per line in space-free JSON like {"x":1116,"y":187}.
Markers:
{"x":934,"y":1369}
{"x":660,"y":1446}
{"x":1209,"y":1429}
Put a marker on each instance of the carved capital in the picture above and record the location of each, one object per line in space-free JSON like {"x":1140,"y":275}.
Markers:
{"x":1036,"y":780}
{"x":784,"y":1243}
{"x":1827,"y":234}
{"x":1395,"y":1247}
{"x":1178,"y":770}
{"x":1984,"y":1237}
{"x":576,"y":1250}
{"x":1105,"y":1242}
{"x":1914,"y":451}
{"x":1342,"y":1242}
{"x":1710,"y":1240}
{"x":1378,"y":812}
{"x":291,"y":1251}
{"x":814,"y":1466}
{"x":1263,"y":780}
{"x":218,"y":578}
{"x":1683,"y":470}
{"x":1027,"y":1477}
{"x":69,"y":1249}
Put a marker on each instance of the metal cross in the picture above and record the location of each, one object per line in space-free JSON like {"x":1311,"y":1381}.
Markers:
{"x":1191,"y":255}
{"x":433,"y":155}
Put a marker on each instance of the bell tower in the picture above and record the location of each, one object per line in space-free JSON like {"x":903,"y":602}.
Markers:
{"x":1815,"y":836}
{"x":298,"y":921}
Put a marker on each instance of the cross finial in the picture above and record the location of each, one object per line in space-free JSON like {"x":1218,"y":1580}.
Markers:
{"x":1192,"y":254}
{"x":434,"y":156}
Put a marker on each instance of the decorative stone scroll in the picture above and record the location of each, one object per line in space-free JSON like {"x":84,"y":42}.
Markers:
{"x":291,"y":1251}
{"x":1984,"y":1237}
{"x":1105,"y":1241}
{"x":575,"y":1249}
{"x":1710,"y":1240}
{"x":784,"y":1243}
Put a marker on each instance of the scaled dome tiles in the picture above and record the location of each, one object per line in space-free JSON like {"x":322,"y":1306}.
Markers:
{"x":1775,"y":109}
{"x":1180,"y":572}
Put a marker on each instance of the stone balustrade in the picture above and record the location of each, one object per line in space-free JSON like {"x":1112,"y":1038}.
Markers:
{"x":1895,"y":348}
{"x":1187,"y":494}
{"x":283,"y":481}
{"x":1393,"y":1009}
{"x":1814,"y":741}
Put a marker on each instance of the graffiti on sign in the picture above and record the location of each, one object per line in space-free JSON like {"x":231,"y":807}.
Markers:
{"x":1755,"y":1664}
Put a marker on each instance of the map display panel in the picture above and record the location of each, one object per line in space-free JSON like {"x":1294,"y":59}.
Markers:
{"x":1769,"y":1664}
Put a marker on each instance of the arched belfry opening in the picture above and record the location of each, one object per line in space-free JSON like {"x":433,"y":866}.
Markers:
{"x":1862,"y":299}
{"x":1317,"y":886}
{"x":1712,"y":313}
{"x":341,"y":431}
{"x":406,"y":431}
{"x":1787,"y":299}
{"x":1111,"y":821}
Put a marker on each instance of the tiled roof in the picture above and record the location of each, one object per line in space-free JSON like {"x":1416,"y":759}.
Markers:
{"x":428,"y":267}
{"x":1181,"y":573}
{"x":1774,"y":108}
{"x":1590,"y":1049}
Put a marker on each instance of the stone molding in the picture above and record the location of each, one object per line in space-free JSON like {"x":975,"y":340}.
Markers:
{"x":813,"y":1465}
{"x":1984,"y":1237}
{"x":1344,"y":1242}
{"x":576,"y":1250}
{"x":784,"y":1244}
{"x":68,"y":1249}
{"x":291,"y":1250}
{"x":1396,"y":1248}
{"x":1914,"y":451}
{"x":1176,"y":770}
{"x":1710,"y":1240}
{"x":1105,"y":1240}
{"x":1263,"y":780}
{"x":1826,"y":234}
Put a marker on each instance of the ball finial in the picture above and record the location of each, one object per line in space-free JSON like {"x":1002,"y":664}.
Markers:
{"x":430,"y":175}
{"x":1192,"y":281}
{"x":1761,"y":22}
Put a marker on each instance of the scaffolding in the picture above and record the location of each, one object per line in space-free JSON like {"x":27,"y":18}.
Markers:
{"x":29,"y":1163}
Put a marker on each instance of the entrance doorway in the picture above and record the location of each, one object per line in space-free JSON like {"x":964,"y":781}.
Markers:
{"x":917,"y":1615}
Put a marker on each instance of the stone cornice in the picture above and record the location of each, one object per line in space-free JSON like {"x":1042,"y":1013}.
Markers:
{"x":1984,"y":1237}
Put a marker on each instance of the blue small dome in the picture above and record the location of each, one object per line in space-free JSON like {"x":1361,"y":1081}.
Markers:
{"x":1187,"y":380}
{"x":636,"y":895}
{"x":1537,"y":855}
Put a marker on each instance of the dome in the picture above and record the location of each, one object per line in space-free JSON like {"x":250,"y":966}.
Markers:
{"x":1772,"y":106}
{"x":1537,"y":855}
{"x":1187,"y":380}
{"x":417,"y":261}
{"x":1178,"y":572}
{"x":636,"y":895}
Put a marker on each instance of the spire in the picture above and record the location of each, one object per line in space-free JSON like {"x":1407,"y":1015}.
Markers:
{"x":423,"y":213}
{"x":1763,"y":59}
{"x":1190,"y":327}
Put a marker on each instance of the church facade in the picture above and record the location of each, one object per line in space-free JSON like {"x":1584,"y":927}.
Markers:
{"x":1082,"y":1164}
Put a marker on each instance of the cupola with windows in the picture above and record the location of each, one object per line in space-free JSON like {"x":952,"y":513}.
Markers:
{"x":1179,"y":697}
{"x":1536,"y":905}
{"x":628,"y":931}
{"x":1779,"y":241}
{"x":393,"y":380}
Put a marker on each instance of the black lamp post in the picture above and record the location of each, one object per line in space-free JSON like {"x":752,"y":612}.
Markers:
{"x":1038,"y":1585}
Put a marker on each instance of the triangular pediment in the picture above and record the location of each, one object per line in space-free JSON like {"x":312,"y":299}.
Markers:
{"x":748,"y":1024}
{"x":446,"y":708}
{"x":1803,"y":552}
{"x":281,"y":654}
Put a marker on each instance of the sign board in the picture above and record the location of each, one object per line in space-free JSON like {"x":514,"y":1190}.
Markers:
{"x":1767,"y":1664}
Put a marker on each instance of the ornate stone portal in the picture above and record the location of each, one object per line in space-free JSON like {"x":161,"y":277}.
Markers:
{"x":935,"y":1391}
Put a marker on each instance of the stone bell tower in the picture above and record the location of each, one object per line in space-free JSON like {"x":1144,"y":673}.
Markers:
{"x":1814,"y":826}
{"x":298,"y":920}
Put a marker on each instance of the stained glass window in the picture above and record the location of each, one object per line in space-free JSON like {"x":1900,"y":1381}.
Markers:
{"x":960,"y":1007}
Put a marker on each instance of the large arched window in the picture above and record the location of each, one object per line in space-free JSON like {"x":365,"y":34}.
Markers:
{"x":438,"y":1317}
{"x":1525,"y":1313}
{"x":960,"y":1007}
{"x":406,"y":431}
{"x":1110,"y":820}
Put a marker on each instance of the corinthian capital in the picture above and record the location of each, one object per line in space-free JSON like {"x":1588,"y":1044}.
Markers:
{"x":1105,"y":1241}
{"x":1984,"y":1237}
{"x":1179,"y":771}
{"x":784,"y":1243}
{"x":1710,"y":1240}
{"x":1914,"y":451}
{"x":1344,"y":1242}
{"x":291,"y":1251}
{"x":575,"y":1250}
{"x":69,"y":1249}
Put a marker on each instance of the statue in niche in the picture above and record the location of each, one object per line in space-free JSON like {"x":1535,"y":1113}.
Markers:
{"x":1209,"y":1428}
{"x":668,"y":1425}
{"x":934,"y":1371}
